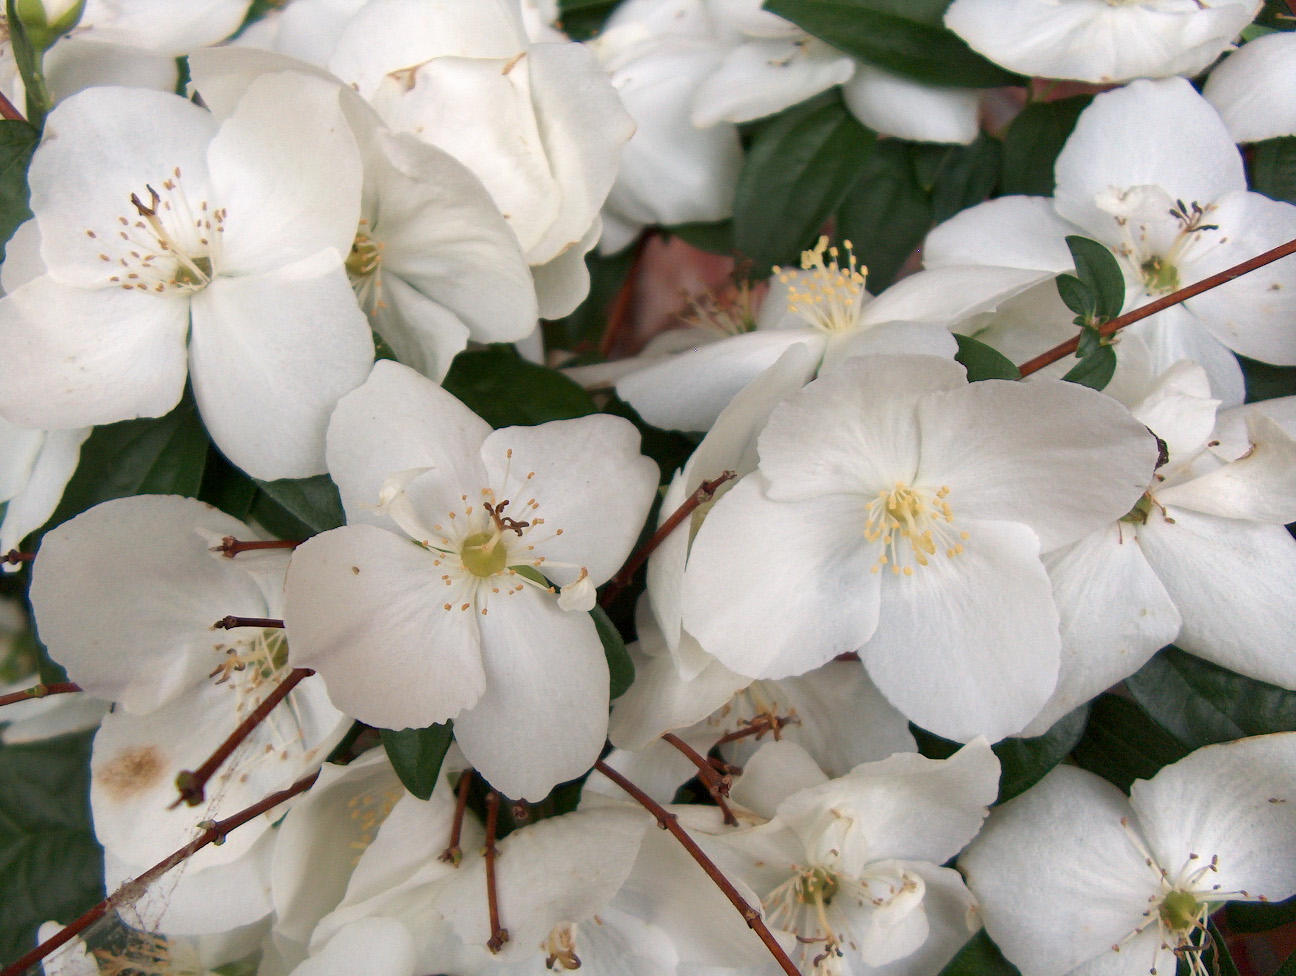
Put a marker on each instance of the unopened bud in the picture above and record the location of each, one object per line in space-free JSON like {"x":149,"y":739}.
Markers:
{"x":45,"y":21}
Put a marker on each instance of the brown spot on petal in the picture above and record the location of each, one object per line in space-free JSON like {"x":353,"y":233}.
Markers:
{"x":132,"y":771}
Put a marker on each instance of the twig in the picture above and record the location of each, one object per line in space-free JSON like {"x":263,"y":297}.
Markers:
{"x":40,"y":691}
{"x":7,"y":110}
{"x":13,"y":557}
{"x":716,"y":783}
{"x":231,"y":547}
{"x":1161,"y":304}
{"x":667,"y":821}
{"x":230,"y":622}
{"x":702,"y":493}
{"x":619,"y":313}
{"x":191,"y":783}
{"x":499,"y":934}
{"x":130,"y":890}
{"x":453,"y":854}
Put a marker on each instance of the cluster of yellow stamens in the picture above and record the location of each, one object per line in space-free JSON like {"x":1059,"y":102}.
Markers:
{"x":364,"y":269}
{"x":830,"y":296}
{"x":904,"y":514}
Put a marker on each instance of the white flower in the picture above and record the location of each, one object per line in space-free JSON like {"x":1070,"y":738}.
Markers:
{"x":1074,"y":876}
{"x":35,"y":468}
{"x":1151,"y":172}
{"x":900,"y":512}
{"x":1101,"y":41}
{"x":175,"y":248}
{"x":463,"y":623}
{"x":1238,"y":86}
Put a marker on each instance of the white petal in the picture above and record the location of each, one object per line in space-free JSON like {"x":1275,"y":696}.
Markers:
{"x":661,"y":700}
{"x":1237,"y":88}
{"x":949,"y":294}
{"x":1179,"y":408}
{"x":1177,"y":334}
{"x":909,"y":109}
{"x":1012,"y":231}
{"x":778,"y":588}
{"x":29,"y":509}
{"x":1260,"y":486}
{"x":969,"y":646}
{"x":1235,"y":801}
{"x":1154,"y":133}
{"x":1059,"y":851}
{"x":1227,"y":577}
{"x":764,"y":76}
{"x":270,"y":356}
{"x":951,"y":916}
{"x":540,"y":662}
{"x":777,"y":771}
{"x":363,"y":605}
{"x":563,"y":282}
{"x":367,"y":947}
{"x":423,"y":334}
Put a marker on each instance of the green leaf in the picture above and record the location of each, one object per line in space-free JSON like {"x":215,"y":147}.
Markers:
{"x":886,"y":214}
{"x":717,"y":238}
{"x":958,"y":177}
{"x":155,"y":456}
{"x":670,"y":449}
{"x":226,"y":487}
{"x":1200,"y":703}
{"x":1221,"y":960}
{"x":50,"y":865}
{"x":1254,"y":916}
{"x":1288,"y":968}
{"x":1076,"y":295}
{"x":1024,"y":762}
{"x":1265,"y":382}
{"x":799,"y":168}
{"x":1095,"y":370}
{"x":1122,"y":744}
{"x":1033,"y":142}
{"x":980,"y":957}
{"x":896,"y":37}
{"x":983,"y":362}
{"x":582,"y":19}
{"x":17,"y":143}
{"x":416,"y":755}
{"x":505,"y":390}
{"x":621,"y":669}
{"x":1273,"y":168}
{"x":298,"y":507}
{"x":1097,"y":268}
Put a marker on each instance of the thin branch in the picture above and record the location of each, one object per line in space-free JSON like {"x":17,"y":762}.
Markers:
{"x":667,"y":821}
{"x":230,"y":622}
{"x":40,"y":691}
{"x":717,"y":784}
{"x":13,"y":557}
{"x":231,"y":547}
{"x":703,"y":493}
{"x":619,"y":313}
{"x":499,"y":934}
{"x":453,"y":853}
{"x":214,"y":833}
{"x":191,"y":783}
{"x":1161,"y":304}
{"x":7,"y":110}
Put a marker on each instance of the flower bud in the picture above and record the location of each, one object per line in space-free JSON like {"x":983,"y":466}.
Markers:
{"x":45,"y":21}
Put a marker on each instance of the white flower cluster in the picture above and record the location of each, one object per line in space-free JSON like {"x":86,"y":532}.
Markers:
{"x":876,"y":541}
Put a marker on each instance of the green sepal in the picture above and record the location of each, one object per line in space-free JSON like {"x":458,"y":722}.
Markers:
{"x":417,"y":754}
{"x":621,"y":670}
{"x":982,"y":362}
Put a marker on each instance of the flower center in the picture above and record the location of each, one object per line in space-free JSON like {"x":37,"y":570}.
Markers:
{"x":169,"y":244}
{"x":364,"y":268}
{"x":914,"y":515}
{"x":1154,"y":245}
{"x":829,"y":296}
{"x":1180,"y":910}
{"x":482,"y":554}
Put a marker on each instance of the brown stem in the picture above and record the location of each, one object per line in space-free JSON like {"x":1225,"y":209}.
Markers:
{"x":13,"y":557}
{"x":1161,"y":304}
{"x":667,"y":821}
{"x":499,"y":934}
{"x":130,"y":890}
{"x":703,"y":493}
{"x":716,"y":783}
{"x":7,"y":110}
{"x":231,"y":547}
{"x":453,"y":854}
{"x":230,"y":622}
{"x":758,"y":726}
{"x":619,"y":313}
{"x":40,"y":691}
{"x":191,"y":783}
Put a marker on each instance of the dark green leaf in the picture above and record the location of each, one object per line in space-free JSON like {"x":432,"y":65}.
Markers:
{"x":1273,"y":168}
{"x":1096,"y":266}
{"x":713,"y":238}
{"x":17,"y":143}
{"x":889,"y":35}
{"x":50,"y":865}
{"x":958,"y":177}
{"x":226,"y":487}
{"x":1095,"y":370}
{"x":670,"y":449}
{"x":1075,"y":295}
{"x":156,"y":456}
{"x":1024,"y":762}
{"x":312,"y":503}
{"x":1200,"y":703}
{"x":1032,"y":144}
{"x":621,"y":670}
{"x":980,"y":957}
{"x":582,"y":19}
{"x":1121,"y":744}
{"x":582,"y":330}
{"x":416,"y":755}
{"x":797,"y":171}
{"x":1264,"y":382}
{"x":984,"y":363}
{"x":506,"y":390}
{"x":886,"y":214}
{"x":1288,"y":968}
{"x":1254,"y":916}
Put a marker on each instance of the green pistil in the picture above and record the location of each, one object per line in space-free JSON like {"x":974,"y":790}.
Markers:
{"x":480,"y":560}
